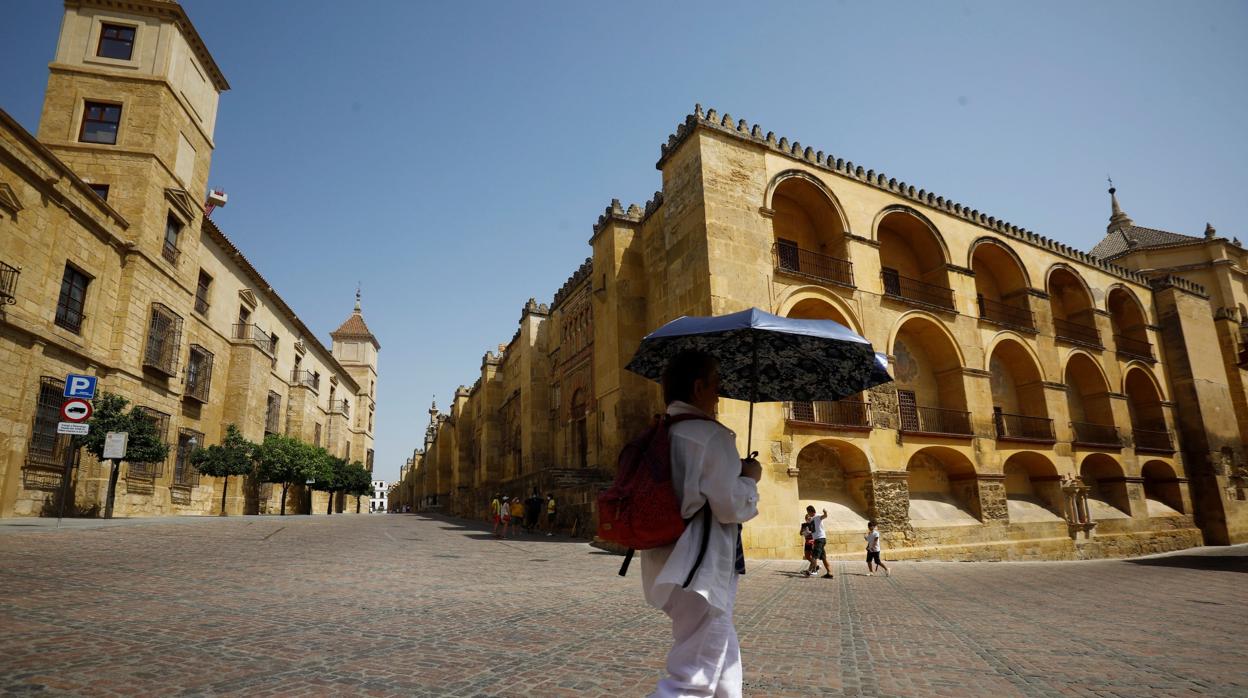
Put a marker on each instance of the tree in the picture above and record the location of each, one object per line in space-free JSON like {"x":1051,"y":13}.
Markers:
{"x":281,"y":459}
{"x":143,"y":445}
{"x":360,"y":482}
{"x":333,"y":477}
{"x":235,"y":455}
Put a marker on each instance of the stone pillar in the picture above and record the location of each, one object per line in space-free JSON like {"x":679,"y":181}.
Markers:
{"x":888,"y":499}
{"x":992,"y":499}
{"x":1135,"y":495}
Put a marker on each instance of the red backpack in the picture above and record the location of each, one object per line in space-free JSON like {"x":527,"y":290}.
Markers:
{"x":640,"y":510}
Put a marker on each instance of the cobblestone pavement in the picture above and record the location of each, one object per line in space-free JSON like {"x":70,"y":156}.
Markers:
{"x":384,"y":605}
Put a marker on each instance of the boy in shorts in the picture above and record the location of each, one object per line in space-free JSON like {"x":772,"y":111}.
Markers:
{"x":873,"y":550}
{"x":808,"y":543}
{"x":821,"y":541}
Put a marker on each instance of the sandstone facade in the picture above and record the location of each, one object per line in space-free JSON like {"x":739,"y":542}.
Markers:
{"x":1035,"y":412}
{"x":112,"y":268}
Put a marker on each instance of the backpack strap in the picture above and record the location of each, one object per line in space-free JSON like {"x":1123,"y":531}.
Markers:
{"x":706,"y":536}
{"x":628,"y":557}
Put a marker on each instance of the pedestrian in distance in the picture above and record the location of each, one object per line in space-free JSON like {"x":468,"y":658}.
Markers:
{"x":504,"y":515}
{"x":550,"y":513}
{"x":821,"y":542}
{"x":808,"y":544}
{"x":517,"y":513}
{"x":532,"y":510}
{"x":707,"y":471}
{"x":873,"y":550}
{"x":496,"y":511}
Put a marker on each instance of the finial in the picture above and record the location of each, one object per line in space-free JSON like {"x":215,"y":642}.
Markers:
{"x":1210,"y":231}
{"x":1117,"y":219}
{"x":357,"y":296}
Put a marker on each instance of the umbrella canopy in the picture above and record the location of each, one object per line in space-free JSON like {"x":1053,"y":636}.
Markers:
{"x":768,"y":358}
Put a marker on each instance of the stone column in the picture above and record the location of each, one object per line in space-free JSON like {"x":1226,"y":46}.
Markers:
{"x":992,"y":499}
{"x":888,"y":499}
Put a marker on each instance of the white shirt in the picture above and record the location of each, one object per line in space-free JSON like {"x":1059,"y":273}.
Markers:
{"x":705,"y":468}
{"x":873,"y":541}
{"x":816,"y":525}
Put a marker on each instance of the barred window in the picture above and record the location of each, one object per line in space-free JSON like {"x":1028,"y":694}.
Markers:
{"x":201,"y":292}
{"x":173,"y":228}
{"x":184,"y":473}
{"x":273,"y":414}
{"x":151,"y":470}
{"x":164,"y":333}
{"x":198,"y":373}
{"x":72,"y":299}
{"x":316,"y":435}
{"x":48,"y":449}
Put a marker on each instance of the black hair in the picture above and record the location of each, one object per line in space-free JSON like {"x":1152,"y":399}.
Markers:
{"x":810,"y":508}
{"x":871,"y":524}
{"x":682,"y":371}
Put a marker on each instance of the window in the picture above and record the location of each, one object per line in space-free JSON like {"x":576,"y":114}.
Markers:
{"x":151,"y":470}
{"x":47,"y":449}
{"x":273,"y":413}
{"x":198,"y":373}
{"x":101,"y":190}
{"x":316,"y":435}
{"x":99,"y":123}
{"x":173,"y":227}
{"x":73,"y":296}
{"x":201,"y":292}
{"x":184,"y":473}
{"x":347,"y":455}
{"x":116,"y":41}
{"x":368,"y":463}
{"x":164,"y":332}
{"x":370,"y":421}
{"x":243,"y":315}
{"x":273,"y":349}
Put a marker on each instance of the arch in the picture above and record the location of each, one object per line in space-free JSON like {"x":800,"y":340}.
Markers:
{"x":830,"y":476}
{"x":999,"y":244}
{"x":1128,"y":320}
{"x":800,"y":294}
{"x":1012,"y":336}
{"x":1087,"y":397}
{"x":943,"y":490}
{"x":1033,"y":489}
{"x":1107,"y":487}
{"x":1141,"y":367}
{"x":902,"y":209}
{"x":1120,"y":290}
{"x":1019,"y":405}
{"x":774,"y":184}
{"x":1100,"y":370}
{"x":1162,"y":492}
{"x":1074,"y":273}
{"x":912,"y":315}
{"x":927,"y":370}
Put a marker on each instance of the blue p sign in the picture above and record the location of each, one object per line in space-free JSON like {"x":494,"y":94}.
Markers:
{"x":80,"y":386}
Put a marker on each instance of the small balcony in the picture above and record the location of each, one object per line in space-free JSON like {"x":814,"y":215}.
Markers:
{"x":342,"y":407}
{"x":1021,"y":427}
{"x":794,"y":261}
{"x":1006,"y":315}
{"x":247,"y":332}
{"x":307,"y":379}
{"x":934,"y":420}
{"x":916,"y":292}
{"x":170,"y":252}
{"x":1077,"y":333}
{"x":8,"y":284}
{"x":1088,"y":434}
{"x":1152,"y":441}
{"x":1130,"y":348}
{"x":845,"y":414}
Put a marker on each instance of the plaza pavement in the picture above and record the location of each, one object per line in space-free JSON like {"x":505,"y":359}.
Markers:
{"x":409,"y":605}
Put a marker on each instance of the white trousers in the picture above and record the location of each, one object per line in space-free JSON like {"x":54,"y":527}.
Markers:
{"x":705,"y":659}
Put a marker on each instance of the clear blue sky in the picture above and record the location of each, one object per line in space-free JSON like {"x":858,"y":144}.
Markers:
{"x":465,"y":149}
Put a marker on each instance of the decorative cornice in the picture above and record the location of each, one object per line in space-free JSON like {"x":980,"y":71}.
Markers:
{"x":1038,"y":293}
{"x":741,"y":130}
{"x":577,"y":278}
{"x":863,"y":240}
{"x":965,"y":271}
{"x":181,"y":201}
{"x":1054,"y":385}
{"x":1117,"y":396}
{"x":8,"y":199}
{"x":968,"y":371}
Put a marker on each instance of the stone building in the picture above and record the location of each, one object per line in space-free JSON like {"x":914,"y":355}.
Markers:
{"x":110,"y":266}
{"x":1036,"y":407}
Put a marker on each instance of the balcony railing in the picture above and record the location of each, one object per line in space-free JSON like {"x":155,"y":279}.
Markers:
{"x":248,"y":332}
{"x":792,"y":259}
{"x":1077,"y":333}
{"x":1021,"y":426}
{"x":1005,"y":314}
{"x":915,"y":291}
{"x":8,"y":284}
{"x":1147,"y":440}
{"x":1133,"y":348}
{"x":307,"y":379}
{"x":339,"y":407}
{"x":1096,"y":434}
{"x":170,"y":252}
{"x":840,"y":413}
{"x":164,"y":336}
{"x":935,"y":420}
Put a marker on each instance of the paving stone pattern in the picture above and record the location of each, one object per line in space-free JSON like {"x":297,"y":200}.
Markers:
{"x":392,"y":605}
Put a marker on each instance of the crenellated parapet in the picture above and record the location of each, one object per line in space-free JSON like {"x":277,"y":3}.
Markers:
{"x":1171,"y":281}
{"x":712,"y":120}
{"x":579,"y":276}
{"x":532,"y":307}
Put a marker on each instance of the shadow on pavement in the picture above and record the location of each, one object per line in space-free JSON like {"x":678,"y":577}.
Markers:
{"x":1212,"y":563}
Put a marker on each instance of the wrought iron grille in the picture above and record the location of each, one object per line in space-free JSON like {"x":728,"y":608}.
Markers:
{"x":8,"y":283}
{"x":149,"y":471}
{"x":342,"y":407}
{"x":72,"y":299}
{"x":1149,"y":440}
{"x":247,"y":332}
{"x":915,"y":291}
{"x":184,"y":473}
{"x":308,"y":379}
{"x":791,"y":259}
{"x":273,"y":414}
{"x":1133,"y":348}
{"x":164,"y":333}
{"x":1096,"y":434}
{"x":1005,"y":314}
{"x":1021,"y":426}
{"x":48,"y":449}
{"x":1077,"y":333}
{"x":198,"y":373}
{"x":934,"y":420}
{"x":845,"y":413}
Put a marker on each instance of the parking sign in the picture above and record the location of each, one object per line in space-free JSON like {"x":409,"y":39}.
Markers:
{"x":80,"y":386}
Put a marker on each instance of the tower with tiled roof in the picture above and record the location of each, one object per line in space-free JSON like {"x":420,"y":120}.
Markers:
{"x":355,"y":347}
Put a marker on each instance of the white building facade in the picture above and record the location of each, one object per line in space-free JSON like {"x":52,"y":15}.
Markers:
{"x":379,"y":500}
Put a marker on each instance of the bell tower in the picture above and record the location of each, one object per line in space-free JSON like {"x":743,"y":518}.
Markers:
{"x":356,"y":348}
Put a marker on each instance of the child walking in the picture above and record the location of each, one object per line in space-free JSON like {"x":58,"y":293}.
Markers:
{"x":873,"y":550}
{"x":809,"y":544}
